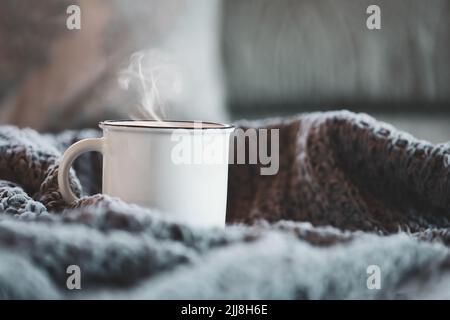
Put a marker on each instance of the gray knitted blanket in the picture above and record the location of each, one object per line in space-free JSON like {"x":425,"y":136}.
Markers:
{"x":351,"y":193}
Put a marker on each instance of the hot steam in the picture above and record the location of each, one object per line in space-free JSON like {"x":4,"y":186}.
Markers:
{"x":155,"y":78}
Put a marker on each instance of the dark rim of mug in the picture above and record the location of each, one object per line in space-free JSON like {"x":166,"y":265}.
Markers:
{"x":115,"y":123}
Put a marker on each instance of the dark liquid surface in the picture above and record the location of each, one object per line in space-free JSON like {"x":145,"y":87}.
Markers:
{"x":165,"y":124}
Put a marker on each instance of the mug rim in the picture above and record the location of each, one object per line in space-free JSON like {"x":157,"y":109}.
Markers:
{"x":116,"y":124}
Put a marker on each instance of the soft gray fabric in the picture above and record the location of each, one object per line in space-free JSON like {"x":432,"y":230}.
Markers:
{"x":217,"y":265}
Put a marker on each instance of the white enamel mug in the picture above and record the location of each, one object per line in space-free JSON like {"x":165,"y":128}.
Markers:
{"x":178,"y":167}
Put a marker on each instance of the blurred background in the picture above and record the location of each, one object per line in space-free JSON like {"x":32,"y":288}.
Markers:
{"x":235,"y":58}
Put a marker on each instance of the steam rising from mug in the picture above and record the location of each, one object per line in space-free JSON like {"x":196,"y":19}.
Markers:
{"x":155,"y":78}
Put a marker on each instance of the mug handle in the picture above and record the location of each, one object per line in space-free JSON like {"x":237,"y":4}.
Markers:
{"x":85,"y":145}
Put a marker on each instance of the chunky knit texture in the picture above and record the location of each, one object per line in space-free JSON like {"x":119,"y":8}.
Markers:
{"x":351,"y":192}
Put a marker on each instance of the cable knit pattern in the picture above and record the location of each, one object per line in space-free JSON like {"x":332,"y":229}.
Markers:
{"x":349,"y":171}
{"x":351,"y":192}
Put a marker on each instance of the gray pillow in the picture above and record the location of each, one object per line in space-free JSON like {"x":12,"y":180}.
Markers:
{"x":310,"y":54}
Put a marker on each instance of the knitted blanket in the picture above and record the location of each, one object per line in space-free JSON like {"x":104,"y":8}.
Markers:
{"x":351,"y":194}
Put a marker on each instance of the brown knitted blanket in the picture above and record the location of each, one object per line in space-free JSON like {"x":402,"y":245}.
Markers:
{"x":351,"y":192}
